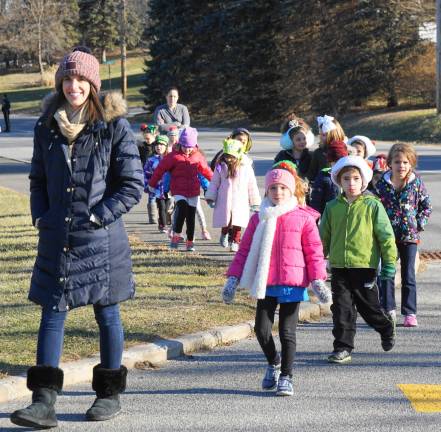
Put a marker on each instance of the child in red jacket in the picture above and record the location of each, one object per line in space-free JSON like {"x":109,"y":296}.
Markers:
{"x":279,"y":256}
{"x":184,"y":163}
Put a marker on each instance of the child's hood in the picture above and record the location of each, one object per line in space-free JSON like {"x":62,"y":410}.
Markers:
{"x":387,"y":177}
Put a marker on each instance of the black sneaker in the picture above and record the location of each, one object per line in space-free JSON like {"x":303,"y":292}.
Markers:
{"x":340,"y":357}
{"x":388,"y":342}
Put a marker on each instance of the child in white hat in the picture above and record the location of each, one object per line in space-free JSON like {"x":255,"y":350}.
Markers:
{"x":356,"y":233}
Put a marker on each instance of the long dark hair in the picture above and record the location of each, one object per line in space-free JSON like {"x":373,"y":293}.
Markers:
{"x":232,"y":164}
{"x":95,"y":109}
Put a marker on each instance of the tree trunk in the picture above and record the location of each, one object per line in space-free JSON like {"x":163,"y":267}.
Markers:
{"x":392,"y":97}
{"x":40,"y":55}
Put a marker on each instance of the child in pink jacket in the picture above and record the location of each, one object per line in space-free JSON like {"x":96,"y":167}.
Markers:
{"x":280,"y":255}
{"x":232,"y":191}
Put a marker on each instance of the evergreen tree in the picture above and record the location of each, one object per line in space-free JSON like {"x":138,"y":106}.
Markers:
{"x":99,"y":24}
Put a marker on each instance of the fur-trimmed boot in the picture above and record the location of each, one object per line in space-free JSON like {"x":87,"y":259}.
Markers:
{"x":108,"y":384}
{"x":45,"y":382}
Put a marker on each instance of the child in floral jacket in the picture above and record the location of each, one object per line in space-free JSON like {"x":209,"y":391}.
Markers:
{"x":408,"y":206}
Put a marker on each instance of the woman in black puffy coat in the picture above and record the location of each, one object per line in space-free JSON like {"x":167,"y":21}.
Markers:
{"x":85,"y":174}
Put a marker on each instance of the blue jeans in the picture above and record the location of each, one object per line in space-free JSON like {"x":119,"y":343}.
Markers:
{"x":407,"y":253}
{"x":51,"y":335}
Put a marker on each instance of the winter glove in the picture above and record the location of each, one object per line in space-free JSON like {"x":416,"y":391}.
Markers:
{"x":229,"y":289}
{"x":387,"y":271}
{"x":211,"y":203}
{"x":151,"y":189}
{"x":255,"y":208}
{"x":321,"y":291}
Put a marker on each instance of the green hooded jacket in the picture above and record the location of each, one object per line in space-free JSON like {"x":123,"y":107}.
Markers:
{"x":357,"y":235}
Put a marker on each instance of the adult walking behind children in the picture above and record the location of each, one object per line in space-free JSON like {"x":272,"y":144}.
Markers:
{"x":279,"y":256}
{"x":232,"y":192}
{"x":85,"y":174}
{"x":408,"y":206}
{"x":356,"y":233}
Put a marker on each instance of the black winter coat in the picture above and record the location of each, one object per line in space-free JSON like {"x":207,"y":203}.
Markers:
{"x":302,"y":164}
{"x":78,"y":261}
{"x":324,"y":190}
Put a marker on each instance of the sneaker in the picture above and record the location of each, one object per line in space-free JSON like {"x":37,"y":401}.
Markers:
{"x":388,"y":342}
{"x":410,"y":321}
{"x":170,"y":233}
{"x":223,"y":241}
{"x":340,"y":357}
{"x":234,"y":247}
{"x":206,"y":235}
{"x":284,"y":386}
{"x":174,"y":242}
{"x":162,"y":229}
{"x":271,"y":377}
{"x":190,"y":246}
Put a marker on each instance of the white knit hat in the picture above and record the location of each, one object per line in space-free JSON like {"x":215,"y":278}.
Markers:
{"x":370,"y":147}
{"x":352,"y":161}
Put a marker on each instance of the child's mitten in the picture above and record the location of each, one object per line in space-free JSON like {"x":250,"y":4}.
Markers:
{"x":151,"y":189}
{"x":255,"y":208}
{"x":211,"y":203}
{"x":387,"y":271}
{"x":321,"y":291}
{"x":229,"y":289}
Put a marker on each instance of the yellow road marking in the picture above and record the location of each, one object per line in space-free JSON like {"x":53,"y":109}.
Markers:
{"x":425,"y":398}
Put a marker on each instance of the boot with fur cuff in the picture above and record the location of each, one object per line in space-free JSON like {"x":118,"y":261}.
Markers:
{"x":45,"y":382}
{"x":108,"y":384}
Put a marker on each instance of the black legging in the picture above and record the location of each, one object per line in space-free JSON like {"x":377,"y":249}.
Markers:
{"x":162,"y":205}
{"x":184,"y":213}
{"x":288,"y":318}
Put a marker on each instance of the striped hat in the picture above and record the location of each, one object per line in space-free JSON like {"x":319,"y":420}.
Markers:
{"x":79,"y":63}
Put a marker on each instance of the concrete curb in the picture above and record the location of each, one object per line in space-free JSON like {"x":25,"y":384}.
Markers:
{"x":155,"y":353}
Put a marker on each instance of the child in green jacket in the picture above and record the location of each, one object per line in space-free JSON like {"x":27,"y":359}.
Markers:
{"x":356,"y":233}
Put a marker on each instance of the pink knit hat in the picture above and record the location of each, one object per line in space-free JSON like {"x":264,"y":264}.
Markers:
{"x":188,"y":137}
{"x":79,"y":63}
{"x":280,"y":176}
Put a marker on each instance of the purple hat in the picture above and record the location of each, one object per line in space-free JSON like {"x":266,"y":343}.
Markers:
{"x":188,"y":137}
{"x":79,"y":63}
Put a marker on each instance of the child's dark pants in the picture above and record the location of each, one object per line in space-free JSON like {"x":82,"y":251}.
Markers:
{"x":355,"y":289}
{"x":184,"y":213}
{"x":288,"y":318}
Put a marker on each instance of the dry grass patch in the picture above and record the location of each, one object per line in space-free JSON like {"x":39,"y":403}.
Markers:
{"x":177,"y":293}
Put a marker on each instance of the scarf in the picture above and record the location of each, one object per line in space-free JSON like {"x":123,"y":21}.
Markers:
{"x":71,"y":122}
{"x":256,"y":268}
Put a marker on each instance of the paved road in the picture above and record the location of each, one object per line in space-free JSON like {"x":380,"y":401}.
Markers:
{"x":18,"y":145}
{"x":219,"y":390}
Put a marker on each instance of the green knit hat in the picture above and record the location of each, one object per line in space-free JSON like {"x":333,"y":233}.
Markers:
{"x":162,"y":139}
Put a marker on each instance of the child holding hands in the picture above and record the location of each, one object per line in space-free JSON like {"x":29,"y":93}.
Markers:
{"x":279,"y":256}
{"x":408,"y":206}
{"x":356,"y":232}
{"x":232,"y":191}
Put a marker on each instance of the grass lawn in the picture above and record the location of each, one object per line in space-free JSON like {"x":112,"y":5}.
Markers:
{"x":420,"y":125}
{"x":25,"y":92}
{"x":177,"y":294}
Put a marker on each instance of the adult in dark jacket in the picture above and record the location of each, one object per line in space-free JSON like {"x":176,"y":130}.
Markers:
{"x":6,"y":109}
{"x":324,"y":189}
{"x":85,"y":175}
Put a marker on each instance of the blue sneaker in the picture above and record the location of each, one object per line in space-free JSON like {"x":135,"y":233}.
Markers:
{"x":271,"y":377}
{"x":284,"y":387}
